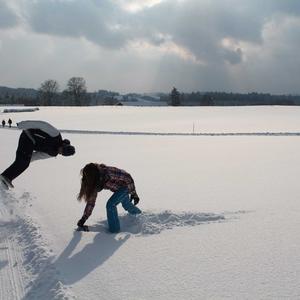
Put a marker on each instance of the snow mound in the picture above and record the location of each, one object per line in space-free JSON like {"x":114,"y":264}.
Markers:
{"x":149,"y":223}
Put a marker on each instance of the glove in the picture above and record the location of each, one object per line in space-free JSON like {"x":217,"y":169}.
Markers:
{"x":81,"y":222}
{"x":81,"y":226}
{"x":135,"y":198}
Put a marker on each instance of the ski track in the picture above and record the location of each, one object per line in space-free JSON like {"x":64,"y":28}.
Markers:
{"x":11,"y":260}
{"x":26,"y":268}
{"x":182,"y":133}
{"x":145,"y":133}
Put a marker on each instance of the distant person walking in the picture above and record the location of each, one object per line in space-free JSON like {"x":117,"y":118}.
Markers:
{"x":3,"y":123}
{"x":9,"y":122}
{"x":38,"y":140}
{"x":95,"y":178}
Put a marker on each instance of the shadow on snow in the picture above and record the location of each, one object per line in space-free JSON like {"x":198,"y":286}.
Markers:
{"x":73,"y":267}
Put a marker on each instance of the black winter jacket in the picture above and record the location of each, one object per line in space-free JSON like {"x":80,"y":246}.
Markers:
{"x":44,"y":142}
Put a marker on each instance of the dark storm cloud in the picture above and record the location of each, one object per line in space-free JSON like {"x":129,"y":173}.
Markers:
{"x":7,"y":16}
{"x":97,"y":21}
{"x":199,"y":26}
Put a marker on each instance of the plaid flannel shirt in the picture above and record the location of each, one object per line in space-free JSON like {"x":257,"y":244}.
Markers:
{"x":116,"y":178}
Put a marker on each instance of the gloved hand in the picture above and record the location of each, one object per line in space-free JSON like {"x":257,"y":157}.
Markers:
{"x":81,"y":226}
{"x":135,"y":198}
{"x":81,"y":222}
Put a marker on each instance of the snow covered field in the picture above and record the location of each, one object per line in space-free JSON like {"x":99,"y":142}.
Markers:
{"x":221,"y":213}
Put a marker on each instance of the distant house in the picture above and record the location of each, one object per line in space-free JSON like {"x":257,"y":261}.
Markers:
{"x":120,"y":98}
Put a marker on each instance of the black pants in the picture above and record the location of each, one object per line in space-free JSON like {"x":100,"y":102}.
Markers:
{"x":23,"y":157}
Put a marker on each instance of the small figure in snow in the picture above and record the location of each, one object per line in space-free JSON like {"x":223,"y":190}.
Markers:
{"x":95,"y":178}
{"x":9,"y":122}
{"x":3,"y":123}
{"x":38,"y":140}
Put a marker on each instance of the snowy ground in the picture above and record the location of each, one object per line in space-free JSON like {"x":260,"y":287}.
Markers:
{"x":221,"y":213}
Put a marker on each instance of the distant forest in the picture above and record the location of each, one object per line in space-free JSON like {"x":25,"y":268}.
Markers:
{"x":76,"y":94}
{"x":228,"y":99}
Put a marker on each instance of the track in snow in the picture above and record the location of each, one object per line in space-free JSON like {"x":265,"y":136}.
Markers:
{"x":181,"y":133}
{"x":146,"y":133}
{"x":26,"y":268}
{"x":11,"y":261}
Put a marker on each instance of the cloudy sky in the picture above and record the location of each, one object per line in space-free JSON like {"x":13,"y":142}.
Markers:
{"x":152,"y":45}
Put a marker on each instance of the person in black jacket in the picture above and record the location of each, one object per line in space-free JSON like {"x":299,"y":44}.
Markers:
{"x":38,"y":140}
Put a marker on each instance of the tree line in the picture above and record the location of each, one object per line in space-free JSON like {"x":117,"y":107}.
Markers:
{"x":75,"y":94}
{"x":228,"y":99}
{"x":50,"y":94}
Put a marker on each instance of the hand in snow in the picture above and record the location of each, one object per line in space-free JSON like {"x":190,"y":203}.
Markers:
{"x":81,"y":226}
{"x":81,"y":222}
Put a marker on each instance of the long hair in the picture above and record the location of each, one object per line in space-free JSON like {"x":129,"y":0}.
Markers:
{"x":90,"y":178}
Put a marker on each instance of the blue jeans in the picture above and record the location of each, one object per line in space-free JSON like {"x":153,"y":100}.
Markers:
{"x":120,"y":196}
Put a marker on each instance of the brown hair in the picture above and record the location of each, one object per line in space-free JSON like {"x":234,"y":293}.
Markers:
{"x":90,"y":177}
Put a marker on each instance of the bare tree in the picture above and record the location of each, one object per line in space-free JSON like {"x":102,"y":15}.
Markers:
{"x":48,"y":90}
{"x":76,"y":87}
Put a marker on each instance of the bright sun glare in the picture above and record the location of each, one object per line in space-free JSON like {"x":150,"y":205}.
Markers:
{"x":137,"y":5}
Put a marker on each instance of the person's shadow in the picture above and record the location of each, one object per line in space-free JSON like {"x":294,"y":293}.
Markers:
{"x":93,"y":255}
{"x":73,"y":268}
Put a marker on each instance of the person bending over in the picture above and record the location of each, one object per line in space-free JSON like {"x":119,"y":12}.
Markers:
{"x":38,"y":140}
{"x":95,"y":178}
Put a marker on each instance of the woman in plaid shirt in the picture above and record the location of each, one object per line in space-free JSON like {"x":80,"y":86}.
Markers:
{"x":95,"y":178}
